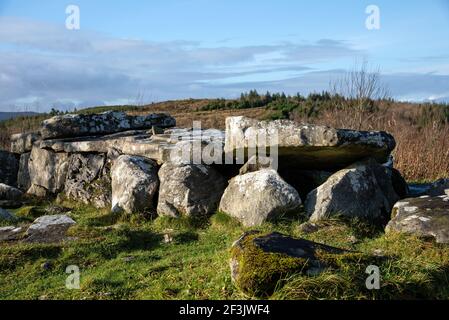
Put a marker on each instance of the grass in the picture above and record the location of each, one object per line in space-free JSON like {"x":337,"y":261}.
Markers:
{"x":126,"y":257}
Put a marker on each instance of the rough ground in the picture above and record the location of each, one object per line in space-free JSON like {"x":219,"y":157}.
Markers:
{"x":128,"y":257}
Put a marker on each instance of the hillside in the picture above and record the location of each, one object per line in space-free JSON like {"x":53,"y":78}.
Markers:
{"x":421,"y":130}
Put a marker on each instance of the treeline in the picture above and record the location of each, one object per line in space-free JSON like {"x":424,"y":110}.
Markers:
{"x":283,"y":105}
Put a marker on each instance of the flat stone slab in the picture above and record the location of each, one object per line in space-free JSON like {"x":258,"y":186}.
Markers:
{"x":159,"y":147}
{"x":307,"y":146}
{"x":76,"y":125}
{"x":23,"y":142}
{"x":426,"y":217}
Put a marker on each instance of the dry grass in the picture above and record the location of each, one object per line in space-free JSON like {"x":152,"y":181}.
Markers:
{"x":422,"y":152}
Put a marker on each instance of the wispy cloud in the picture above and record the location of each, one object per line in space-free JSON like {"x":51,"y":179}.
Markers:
{"x":45,"y":64}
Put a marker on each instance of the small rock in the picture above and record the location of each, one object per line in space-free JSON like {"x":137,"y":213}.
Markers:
{"x":47,"y":265}
{"x":308,"y":228}
{"x":10,"y":233}
{"x":256,"y":163}
{"x":48,"y":229}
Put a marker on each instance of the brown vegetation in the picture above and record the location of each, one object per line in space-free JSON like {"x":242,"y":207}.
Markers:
{"x":421,"y":131}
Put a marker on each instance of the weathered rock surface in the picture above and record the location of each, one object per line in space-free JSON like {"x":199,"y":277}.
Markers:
{"x":363,"y":190}
{"x":23,"y":176}
{"x":426,"y":217}
{"x":49,"y":229}
{"x":134,"y":184}
{"x":23,"y":142}
{"x":438,"y":188}
{"x":9,"y":193}
{"x":99,"y":124}
{"x":48,"y":170}
{"x":88,"y":180}
{"x":9,"y":166}
{"x":7,"y":216}
{"x":10,"y":233}
{"x":256,"y":197}
{"x":191,"y":190}
{"x":307,"y":146}
{"x":259,"y":261}
{"x":256,"y":163}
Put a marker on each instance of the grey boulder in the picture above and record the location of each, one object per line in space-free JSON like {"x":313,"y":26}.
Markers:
{"x":134,"y":184}
{"x":190,"y":190}
{"x":88,"y":180}
{"x":10,"y":233}
{"x":258,"y":196}
{"x":48,"y":229}
{"x":362,"y":190}
{"x":9,"y":193}
{"x":426,"y":217}
{"x":48,"y":171}
{"x":75,"y":125}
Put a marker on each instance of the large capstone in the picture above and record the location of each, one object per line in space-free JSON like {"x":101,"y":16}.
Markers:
{"x":9,"y":166}
{"x":88,"y":180}
{"x":48,"y":229}
{"x":23,"y":142}
{"x":258,"y":196}
{"x":134,"y":184}
{"x":259,"y":261}
{"x":187,"y":189}
{"x":48,"y":171}
{"x":426,"y":217}
{"x":75,"y":125}
{"x":363,"y":190}
{"x":305,"y":146}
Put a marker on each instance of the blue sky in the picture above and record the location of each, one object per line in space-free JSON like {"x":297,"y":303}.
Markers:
{"x":141,"y":51}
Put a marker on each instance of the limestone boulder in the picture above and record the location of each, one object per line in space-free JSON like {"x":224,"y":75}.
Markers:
{"x":10,"y":233}
{"x":88,"y":180}
{"x":363,"y":190}
{"x":23,"y":142}
{"x":258,"y":196}
{"x":426,"y":217}
{"x":259,"y":261}
{"x":134,"y":184}
{"x":307,"y":146}
{"x":76,"y":125}
{"x":9,"y":167}
{"x":9,"y":193}
{"x":23,"y":176}
{"x":190,"y":190}
{"x":48,"y":171}
{"x":49,"y":229}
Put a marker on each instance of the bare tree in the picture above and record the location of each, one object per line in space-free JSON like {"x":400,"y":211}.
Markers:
{"x":362,"y":90}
